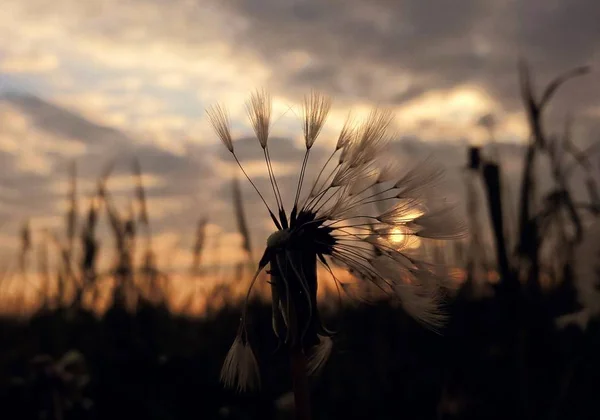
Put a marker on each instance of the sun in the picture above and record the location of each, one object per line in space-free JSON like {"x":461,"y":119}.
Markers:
{"x":402,"y":239}
{"x":401,"y":236}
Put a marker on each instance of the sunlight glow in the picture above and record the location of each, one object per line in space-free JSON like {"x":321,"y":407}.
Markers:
{"x":403,"y":239}
{"x":401,"y":236}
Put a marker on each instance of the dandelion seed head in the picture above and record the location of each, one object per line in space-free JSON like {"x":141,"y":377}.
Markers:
{"x":367,"y":215}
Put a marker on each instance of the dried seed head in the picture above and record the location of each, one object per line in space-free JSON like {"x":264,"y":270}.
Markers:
{"x":418,"y":179}
{"x":240,"y":369}
{"x":416,"y":287}
{"x":347,"y":133}
{"x":258,"y":108}
{"x":439,"y":224}
{"x":369,"y":139}
{"x":315,"y":110}
{"x":319,"y":355}
{"x":374,"y":131}
{"x":404,"y":211}
{"x":219,"y":119}
{"x":388,"y":171}
{"x":422,"y":304}
{"x":344,"y":222}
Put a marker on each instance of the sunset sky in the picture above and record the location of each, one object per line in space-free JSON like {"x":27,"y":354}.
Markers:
{"x":97,"y":80}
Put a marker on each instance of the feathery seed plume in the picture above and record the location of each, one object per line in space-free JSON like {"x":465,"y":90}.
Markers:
{"x":367,"y":216}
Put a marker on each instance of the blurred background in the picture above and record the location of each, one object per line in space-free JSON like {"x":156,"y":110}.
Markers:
{"x":126,"y":241}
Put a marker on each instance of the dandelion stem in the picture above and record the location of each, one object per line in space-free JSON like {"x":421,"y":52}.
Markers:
{"x":258,"y":192}
{"x":270,"y":170}
{"x":276,"y":192}
{"x":300,"y":383}
{"x":321,"y":173}
{"x":311,"y":203}
{"x":301,"y":179}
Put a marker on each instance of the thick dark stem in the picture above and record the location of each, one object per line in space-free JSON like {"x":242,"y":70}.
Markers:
{"x":293,"y":270}
{"x":491,"y":175}
{"x":528,"y":246}
{"x":300,"y":384}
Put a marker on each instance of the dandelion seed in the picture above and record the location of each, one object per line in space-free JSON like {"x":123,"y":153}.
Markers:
{"x":219,"y":119}
{"x":320,"y":354}
{"x":440,"y":224}
{"x":240,"y":369}
{"x":258,"y":108}
{"x":365,"y":216}
{"x":346,"y":134}
{"x":316,"y":107}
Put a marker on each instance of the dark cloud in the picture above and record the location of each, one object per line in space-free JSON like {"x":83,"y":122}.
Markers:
{"x":441,"y":44}
{"x":64,"y":123}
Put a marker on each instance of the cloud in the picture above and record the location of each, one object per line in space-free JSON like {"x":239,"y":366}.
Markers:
{"x":32,"y":150}
{"x":29,"y":63}
{"x":149,"y":66}
{"x":398,"y":51}
{"x":378,"y":50}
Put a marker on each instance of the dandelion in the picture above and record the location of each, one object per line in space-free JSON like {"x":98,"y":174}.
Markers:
{"x":360,"y":214}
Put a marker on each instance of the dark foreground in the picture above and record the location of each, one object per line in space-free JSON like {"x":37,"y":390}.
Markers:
{"x":496,"y":359}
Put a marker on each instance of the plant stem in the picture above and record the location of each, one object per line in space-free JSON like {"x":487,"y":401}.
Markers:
{"x":300,"y":383}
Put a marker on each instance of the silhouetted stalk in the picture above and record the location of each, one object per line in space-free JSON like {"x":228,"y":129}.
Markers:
{"x":529,"y":236}
{"x":582,"y":158}
{"x":151,"y":274}
{"x":294,"y":283}
{"x":44,"y":270}
{"x":140,"y":195}
{"x":491,"y":176}
{"x":528,"y":230}
{"x":65,"y":271}
{"x":476,"y":255}
{"x":90,"y":248}
{"x":240,"y":217}
{"x":71,"y":217}
{"x":124,"y":235}
{"x":198,"y":246}
{"x":300,"y":384}
{"x":25,"y":248}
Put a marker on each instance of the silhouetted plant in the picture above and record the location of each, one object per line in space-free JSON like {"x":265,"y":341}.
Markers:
{"x":336,"y":224}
